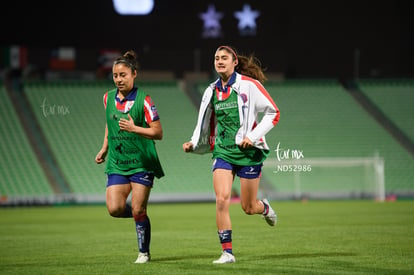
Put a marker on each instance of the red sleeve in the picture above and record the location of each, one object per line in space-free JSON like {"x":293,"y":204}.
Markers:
{"x":105,"y":99}
{"x":150,"y":110}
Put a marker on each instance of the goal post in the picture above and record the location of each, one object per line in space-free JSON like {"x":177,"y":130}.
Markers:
{"x":324,"y":178}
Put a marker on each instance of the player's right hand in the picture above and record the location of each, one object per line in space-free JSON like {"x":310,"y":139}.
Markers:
{"x":100,"y":157}
{"x":188,"y":147}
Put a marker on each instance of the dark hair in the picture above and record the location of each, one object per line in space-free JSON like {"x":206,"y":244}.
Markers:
{"x":129,"y":59}
{"x":247,"y":65}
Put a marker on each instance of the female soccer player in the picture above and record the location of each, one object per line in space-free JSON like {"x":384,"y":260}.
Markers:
{"x":228,"y":126}
{"x":132,"y":125}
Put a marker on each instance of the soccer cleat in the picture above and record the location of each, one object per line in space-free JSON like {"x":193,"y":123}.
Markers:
{"x":225,"y":258}
{"x":143,"y":258}
{"x":270,"y":217}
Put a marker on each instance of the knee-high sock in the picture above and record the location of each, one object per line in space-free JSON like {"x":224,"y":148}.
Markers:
{"x":143,"y":227}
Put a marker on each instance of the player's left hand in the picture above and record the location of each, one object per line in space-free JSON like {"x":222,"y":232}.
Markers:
{"x":246,"y":143}
{"x":127,"y":124}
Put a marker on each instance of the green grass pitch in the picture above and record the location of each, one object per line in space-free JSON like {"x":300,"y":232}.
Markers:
{"x":313,"y":237}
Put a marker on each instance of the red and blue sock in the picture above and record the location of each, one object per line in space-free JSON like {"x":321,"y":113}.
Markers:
{"x":225,"y":240}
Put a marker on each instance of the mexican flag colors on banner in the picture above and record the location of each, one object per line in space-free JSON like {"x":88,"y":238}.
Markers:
{"x":14,"y":57}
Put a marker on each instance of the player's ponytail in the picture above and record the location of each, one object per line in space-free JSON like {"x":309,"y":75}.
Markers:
{"x":251,"y":66}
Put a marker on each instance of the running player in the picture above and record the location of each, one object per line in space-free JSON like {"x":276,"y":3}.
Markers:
{"x":132,"y":125}
{"x":228,"y":126}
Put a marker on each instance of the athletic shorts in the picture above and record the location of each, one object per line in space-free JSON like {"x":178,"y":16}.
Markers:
{"x":247,"y":172}
{"x":144,"y":178}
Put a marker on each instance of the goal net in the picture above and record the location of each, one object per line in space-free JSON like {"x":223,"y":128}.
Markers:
{"x":324,"y":178}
